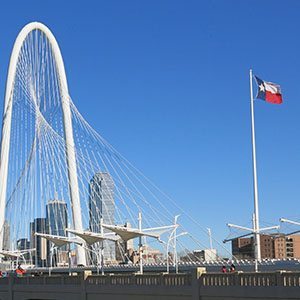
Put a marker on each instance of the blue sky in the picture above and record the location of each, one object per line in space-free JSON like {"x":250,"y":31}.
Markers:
{"x":166,"y":83}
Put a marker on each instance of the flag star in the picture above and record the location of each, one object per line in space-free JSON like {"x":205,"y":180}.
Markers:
{"x":262,"y":87}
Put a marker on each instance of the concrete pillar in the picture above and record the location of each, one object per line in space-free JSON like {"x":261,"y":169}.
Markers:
{"x":279,"y":278}
{"x":195,"y":282}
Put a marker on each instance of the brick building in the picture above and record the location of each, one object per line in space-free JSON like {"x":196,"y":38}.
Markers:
{"x":271,"y":246}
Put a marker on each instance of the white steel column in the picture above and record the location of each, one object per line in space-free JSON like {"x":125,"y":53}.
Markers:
{"x":102,"y":247}
{"x":140,"y":243}
{"x":256,"y":229}
{"x":70,"y":147}
{"x":175,"y":244}
{"x":72,"y":172}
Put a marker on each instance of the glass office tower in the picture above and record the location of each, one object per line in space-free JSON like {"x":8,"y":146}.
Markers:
{"x":56,"y":224}
{"x":102,"y":204}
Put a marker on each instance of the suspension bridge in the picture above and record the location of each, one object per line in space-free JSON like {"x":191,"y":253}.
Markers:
{"x":69,"y":200}
{"x":67,"y":197}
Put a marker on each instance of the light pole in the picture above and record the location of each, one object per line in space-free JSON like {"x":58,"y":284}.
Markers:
{"x":98,"y":257}
{"x":140,"y":243}
{"x":172,"y":236}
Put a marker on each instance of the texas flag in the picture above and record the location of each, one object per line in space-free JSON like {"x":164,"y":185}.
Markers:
{"x":268,"y":91}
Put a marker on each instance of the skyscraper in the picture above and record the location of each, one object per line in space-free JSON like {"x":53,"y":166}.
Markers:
{"x":102,"y":205}
{"x":56,"y":224}
{"x":24,"y":244}
{"x":40,"y":244}
{"x":6,"y":236}
{"x":56,"y":217}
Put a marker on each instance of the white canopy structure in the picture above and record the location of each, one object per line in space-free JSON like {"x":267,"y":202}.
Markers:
{"x":127,"y":234}
{"x":10,"y":254}
{"x":92,"y":237}
{"x":59,"y":241}
{"x":14,"y":254}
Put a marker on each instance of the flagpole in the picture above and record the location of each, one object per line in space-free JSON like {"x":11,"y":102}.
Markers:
{"x":256,"y":228}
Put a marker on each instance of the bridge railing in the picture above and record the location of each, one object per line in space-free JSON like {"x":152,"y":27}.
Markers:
{"x":145,"y":279}
{"x":263,"y":279}
{"x":113,"y":279}
{"x":291,"y":279}
{"x":47,"y":280}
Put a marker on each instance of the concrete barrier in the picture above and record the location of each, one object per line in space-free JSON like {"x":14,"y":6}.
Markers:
{"x":196,"y":286}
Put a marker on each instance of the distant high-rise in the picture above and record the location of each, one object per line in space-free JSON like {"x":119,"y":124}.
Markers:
{"x":24,"y":244}
{"x":56,"y":217}
{"x":6,"y":236}
{"x":102,"y":204}
{"x":37,"y":242}
{"x":56,"y":223}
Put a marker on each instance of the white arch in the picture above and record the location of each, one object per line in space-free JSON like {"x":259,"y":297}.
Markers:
{"x":68,"y":130}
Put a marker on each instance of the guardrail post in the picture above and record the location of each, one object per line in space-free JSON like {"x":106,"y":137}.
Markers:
{"x":195,"y":282}
{"x":279,"y":278}
{"x":237,"y":278}
{"x":161,"y":279}
{"x":108,"y":280}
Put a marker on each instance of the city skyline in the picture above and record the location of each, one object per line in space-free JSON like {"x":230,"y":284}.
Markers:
{"x":137,"y":158}
{"x":167,"y":105}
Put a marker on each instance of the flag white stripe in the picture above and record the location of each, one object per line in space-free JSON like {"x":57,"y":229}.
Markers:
{"x":272,"y":87}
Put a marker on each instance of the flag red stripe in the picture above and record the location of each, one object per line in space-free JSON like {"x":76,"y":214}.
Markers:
{"x":273,"y":98}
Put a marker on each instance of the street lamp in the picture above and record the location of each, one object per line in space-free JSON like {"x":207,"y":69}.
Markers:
{"x":173,"y":237}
